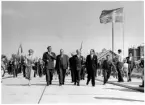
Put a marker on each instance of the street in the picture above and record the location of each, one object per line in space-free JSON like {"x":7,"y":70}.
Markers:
{"x":17,"y":91}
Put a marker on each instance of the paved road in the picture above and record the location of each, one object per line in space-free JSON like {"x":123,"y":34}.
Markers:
{"x":16,"y":91}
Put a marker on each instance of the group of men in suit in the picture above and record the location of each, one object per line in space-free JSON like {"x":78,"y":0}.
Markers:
{"x":76,"y":64}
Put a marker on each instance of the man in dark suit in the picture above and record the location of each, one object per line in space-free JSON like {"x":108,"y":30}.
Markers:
{"x":91,"y":65}
{"x":15,"y":68}
{"x":131,"y":64}
{"x":71,"y":65}
{"x":77,"y":67}
{"x":48,"y":58}
{"x":62,"y":62}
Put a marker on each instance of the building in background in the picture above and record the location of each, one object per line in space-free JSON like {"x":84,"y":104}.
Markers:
{"x":104,"y":53}
{"x":137,"y":52}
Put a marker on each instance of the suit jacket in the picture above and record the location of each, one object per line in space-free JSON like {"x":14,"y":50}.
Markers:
{"x":71,"y":62}
{"x":77,"y":62}
{"x":49,"y":64}
{"x":62,"y":63}
{"x":91,"y":63}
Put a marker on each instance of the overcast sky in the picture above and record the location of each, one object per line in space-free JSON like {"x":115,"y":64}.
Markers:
{"x":66,"y":24}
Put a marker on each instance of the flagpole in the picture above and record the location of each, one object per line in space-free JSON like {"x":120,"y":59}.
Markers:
{"x":113,"y":21}
{"x":123,"y":31}
{"x":112,"y":38}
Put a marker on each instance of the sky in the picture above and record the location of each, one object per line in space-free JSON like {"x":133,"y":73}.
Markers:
{"x":65,"y":24}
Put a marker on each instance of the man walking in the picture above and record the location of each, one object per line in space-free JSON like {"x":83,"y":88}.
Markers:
{"x":91,"y":65}
{"x":131,"y":64}
{"x":77,"y":67}
{"x":48,"y":58}
{"x":62,"y":62}
{"x":83,"y":70}
{"x":120,"y":66}
{"x":71,"y":65}
{"x":107,"y":66}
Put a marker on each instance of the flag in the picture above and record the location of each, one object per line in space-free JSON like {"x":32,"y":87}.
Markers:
{"x":115,"y":15}
{"x":20,"y":50}
{"x":81,"y":46}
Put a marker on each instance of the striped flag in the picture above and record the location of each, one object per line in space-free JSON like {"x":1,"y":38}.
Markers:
{"x":115,"y":15}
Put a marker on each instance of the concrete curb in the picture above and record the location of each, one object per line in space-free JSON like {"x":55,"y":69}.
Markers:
{"x":122,"y":85}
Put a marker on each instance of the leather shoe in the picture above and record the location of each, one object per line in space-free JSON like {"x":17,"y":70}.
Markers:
{"x":87,"y":83}
{"x":47,"y":84}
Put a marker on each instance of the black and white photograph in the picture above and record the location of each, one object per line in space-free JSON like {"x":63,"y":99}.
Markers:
{"x":72,"y":52}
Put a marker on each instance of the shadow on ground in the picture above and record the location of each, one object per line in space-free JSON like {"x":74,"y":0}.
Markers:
{"x":114,"y":98}
{"x":124,"y":89}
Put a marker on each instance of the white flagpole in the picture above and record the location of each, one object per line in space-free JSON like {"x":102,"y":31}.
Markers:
{"x":113,"y":21}
{"x":123,"y":30}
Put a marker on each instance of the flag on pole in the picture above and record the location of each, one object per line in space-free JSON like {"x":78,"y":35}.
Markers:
{"x":115,"y":15}
{"x":81,"y":46}
{"x":20,"y":50}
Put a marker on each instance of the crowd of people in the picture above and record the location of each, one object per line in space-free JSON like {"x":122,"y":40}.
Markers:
{"x":77,"y":66}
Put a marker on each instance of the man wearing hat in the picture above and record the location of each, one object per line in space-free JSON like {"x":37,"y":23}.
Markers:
{"x":48,"y":58}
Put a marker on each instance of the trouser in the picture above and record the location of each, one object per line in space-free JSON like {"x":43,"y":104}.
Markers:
{"x":130,"y":69}
{"x":77,"y":76}
{"x":61,"y":74}
{"x":40,"y":71}
{"x":49,"y":76}
{"x":82,"y":73}
{"x":99,"y":72}
{"x":24,"y":70}
{"x":91,"y":76}
{"x":72,"y":74}
{"x":35,"y":72}
{"x":143,"y":77}
{"x":119,"y":69}
{"x":15,"y":72}
{"x":96,"y":73}
{"x":106,"y":74}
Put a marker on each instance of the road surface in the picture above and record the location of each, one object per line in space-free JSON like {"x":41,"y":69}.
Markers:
{"x":17,"y":91}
